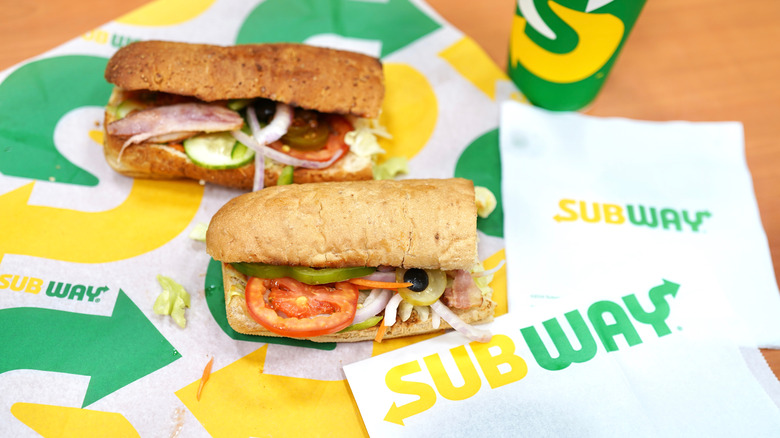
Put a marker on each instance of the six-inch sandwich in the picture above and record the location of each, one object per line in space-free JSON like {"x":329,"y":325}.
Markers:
{"x":353,"y":261}
{"x":219,"y":113}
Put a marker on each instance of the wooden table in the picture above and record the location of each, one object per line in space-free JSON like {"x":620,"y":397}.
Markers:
{"x":699,"y":60}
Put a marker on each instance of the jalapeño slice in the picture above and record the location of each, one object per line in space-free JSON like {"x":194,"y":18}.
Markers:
{"x":307,"y":132}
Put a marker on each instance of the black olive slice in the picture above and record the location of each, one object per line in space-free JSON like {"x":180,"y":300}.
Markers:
{"x":418,"y":278}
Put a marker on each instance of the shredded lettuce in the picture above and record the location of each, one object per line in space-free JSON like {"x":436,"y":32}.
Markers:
{"x":391,"y":168}
{"x":483,"y":282}
{"x":198,"y":232}
{"x":363,"y":140}
{"x":172,"y":300}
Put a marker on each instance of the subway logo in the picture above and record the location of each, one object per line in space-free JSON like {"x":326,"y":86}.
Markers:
{"x":572,"y":210}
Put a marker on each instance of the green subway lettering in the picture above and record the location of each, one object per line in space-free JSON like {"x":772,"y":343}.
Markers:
{"x":697,"y":219}
{"x":650,"y":220}
{"x":670,"y":217}
{"x":566,"y":353}
{"x":657,"y":317}
{"x":607,"y":331}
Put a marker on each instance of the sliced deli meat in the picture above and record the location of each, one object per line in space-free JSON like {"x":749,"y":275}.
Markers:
{"x":165,"y":122}
{"x":464,"y":293}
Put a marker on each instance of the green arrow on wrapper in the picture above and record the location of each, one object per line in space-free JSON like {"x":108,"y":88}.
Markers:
{"x":113,"y":350}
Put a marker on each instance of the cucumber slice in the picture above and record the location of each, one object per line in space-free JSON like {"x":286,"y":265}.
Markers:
{"x":217,"y":150}
{"x":126,"y":106}
{"x":239,"y":150}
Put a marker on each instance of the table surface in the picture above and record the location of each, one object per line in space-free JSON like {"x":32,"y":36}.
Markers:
{"x":698,"y":60}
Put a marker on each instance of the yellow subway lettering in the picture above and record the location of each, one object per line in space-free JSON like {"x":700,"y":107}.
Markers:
{"x":97,"y":35}
{"x":5,"y":281}
{"x":443,"y":382}
{"x":596,"y":217}
{"x":490,"y":363}
{"x":613,"y":214}
{"x":34,"y":285}
{"x":394,"y":379}
{"x":565,"y":205}
{"x":18,"y":283}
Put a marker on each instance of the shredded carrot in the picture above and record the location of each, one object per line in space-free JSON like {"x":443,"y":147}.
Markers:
{"x":380,"y":332}
{"x":377,"y":284}
{"x":178,"y":146}
{"x":205,"y":378}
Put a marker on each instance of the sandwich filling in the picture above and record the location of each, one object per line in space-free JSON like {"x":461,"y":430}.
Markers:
{"x":237,"y":133}
{"x":305,"y":302}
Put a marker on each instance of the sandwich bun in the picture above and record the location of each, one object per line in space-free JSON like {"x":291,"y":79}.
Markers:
{"x":425,"y":223}
{"x":314,"y":78}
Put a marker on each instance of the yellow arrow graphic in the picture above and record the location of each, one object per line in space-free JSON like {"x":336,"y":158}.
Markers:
{"x":153,"y":214}
{"x":240,"y":400}
{"x":63,"y":422}
{"x":475,"y":65}
{"x":599,"y":37}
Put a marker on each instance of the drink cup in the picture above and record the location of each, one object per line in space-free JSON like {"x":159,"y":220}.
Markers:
{"x":561,"y":52}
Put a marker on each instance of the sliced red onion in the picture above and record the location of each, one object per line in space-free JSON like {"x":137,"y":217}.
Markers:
{"x":258,"y":182}
{"x":387,"y":277}
{"x":374,"y":303}
{"x":276,"y":129}
{"x":391,"y":310}
{"x":254,"y":123}
{"x":488,"y":272}
{"x":435,"y":320}
{"x":281,"y":157}
{"x":459,"y":325}
{"x":297,"y":162}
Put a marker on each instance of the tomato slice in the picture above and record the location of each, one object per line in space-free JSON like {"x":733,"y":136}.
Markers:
{"x":290,"y":308}
{"x":339,"y":127}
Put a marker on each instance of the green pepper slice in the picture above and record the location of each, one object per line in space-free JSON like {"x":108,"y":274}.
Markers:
{"x":286,"y":176}
{"x":303,"y":274}
{"x":370,"y":322}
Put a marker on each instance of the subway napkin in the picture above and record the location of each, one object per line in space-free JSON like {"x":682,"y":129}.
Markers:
{"x":633,"y":361}
{"x":592,"y":203}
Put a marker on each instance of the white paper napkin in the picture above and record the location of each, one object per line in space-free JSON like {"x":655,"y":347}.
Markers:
{"x":581,"y":193}
{"x":692,"y":380}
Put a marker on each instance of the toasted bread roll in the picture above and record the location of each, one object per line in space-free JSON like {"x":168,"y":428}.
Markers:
{"x":428,"y":224}
{"x":326,"y":80}
{"x":165,"y":73}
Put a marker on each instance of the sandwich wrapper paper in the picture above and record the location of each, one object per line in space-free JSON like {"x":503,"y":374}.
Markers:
{"x":613,"y":328}
{"x":83,"y":353}
{"x":81,"y":247}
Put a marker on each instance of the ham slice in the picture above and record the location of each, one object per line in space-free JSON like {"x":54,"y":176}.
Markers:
{"x":174,"y":122}
{"x":464,"y":293}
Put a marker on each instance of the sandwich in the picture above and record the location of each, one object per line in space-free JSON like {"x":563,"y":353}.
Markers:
{"x":217,"y":113}
{"x":353,"y":261}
